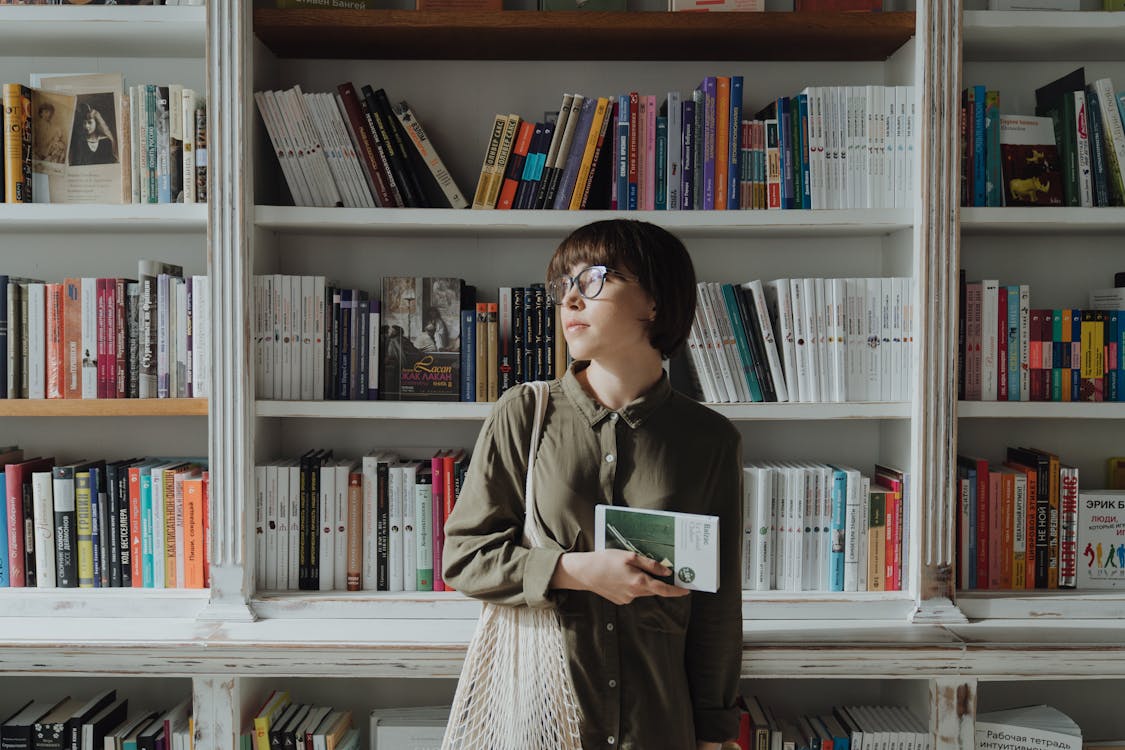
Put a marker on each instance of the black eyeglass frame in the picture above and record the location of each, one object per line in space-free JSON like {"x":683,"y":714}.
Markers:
{"x":572,"y":282}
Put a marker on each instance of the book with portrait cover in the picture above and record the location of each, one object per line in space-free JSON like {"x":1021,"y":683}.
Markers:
{"x":420,"y":338}
{"x":1031,"y":164}
{"x":687,"y":543}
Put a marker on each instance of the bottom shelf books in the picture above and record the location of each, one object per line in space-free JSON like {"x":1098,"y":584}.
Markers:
{"x":1027,"y":728}
{"x":843,"y":728}
{"x":100,"y":721}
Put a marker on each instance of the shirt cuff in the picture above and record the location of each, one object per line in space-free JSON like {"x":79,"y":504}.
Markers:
{"x":716,"y":725}
{"x":537,"y":573}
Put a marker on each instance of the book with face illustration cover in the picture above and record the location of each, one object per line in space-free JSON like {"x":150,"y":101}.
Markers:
{"x":81,"y":139}
{"x":420,"y":338}
{"x":686,"y":543}
{"x":1031,"y":166}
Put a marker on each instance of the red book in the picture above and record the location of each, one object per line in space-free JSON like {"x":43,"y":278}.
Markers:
{"x":631,"y":200}
{"x":513,"y":172}
{"x":893,"y":480}
{"x":1035,"y":353}
{"x":366,"y":148}
{"x":1002,"y":344}
{"x":15,"y":477}
{"x":437,"y":491}
{"x":119,"y":347}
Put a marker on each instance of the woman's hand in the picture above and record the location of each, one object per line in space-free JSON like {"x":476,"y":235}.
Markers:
{"x":613,"y":574}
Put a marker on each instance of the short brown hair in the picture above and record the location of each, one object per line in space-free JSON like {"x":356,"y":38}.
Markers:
{"x":654,"y":255}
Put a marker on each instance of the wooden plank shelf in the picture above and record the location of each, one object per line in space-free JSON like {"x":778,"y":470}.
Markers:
{"x":1038,"y":220}
{"x":374,"y":222}
{"x":109,"y":407}
{"x":1013,"y":36}
{"x":423,"y":410}
{"x":99,"y":31}
{"x":1039,"y":410}
{"x":1056,"y":605}
{"x":42,"y":218}
{"x":574,"y":35}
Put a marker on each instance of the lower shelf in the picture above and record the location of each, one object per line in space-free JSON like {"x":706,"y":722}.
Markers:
{"x":139,"y":604}
{"x":1069,"y":604}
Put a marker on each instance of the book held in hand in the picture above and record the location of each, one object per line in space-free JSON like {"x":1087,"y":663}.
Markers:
{"x":685,"y":542}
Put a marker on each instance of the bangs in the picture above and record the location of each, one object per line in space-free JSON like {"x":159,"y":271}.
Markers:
{"x":589,"y":249}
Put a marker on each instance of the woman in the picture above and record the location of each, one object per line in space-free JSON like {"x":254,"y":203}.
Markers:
{"x":94,"y":142}
{"x":654,"y":667}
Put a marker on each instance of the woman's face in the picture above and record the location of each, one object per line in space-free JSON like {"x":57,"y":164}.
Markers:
{"x":610,"y":325}
{"x":90,"y":124}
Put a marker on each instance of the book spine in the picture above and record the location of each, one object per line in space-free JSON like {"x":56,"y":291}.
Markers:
{"x":357,"y":123}
{"x":16,"y":142}
{"x":514,"y":168}
{"x":709,"y":87}
{"x":736,"y":144}
{"x":687,"y":156}
{"x":1114,"y":136}
{"x":1102,"y":182}
{"x":1068,"y":527}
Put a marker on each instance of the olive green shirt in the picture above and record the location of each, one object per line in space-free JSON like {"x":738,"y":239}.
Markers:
{"x":656,"y":674}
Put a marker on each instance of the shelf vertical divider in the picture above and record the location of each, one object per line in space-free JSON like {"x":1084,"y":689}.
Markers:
{"x":936,"y":260}
{"x":953,"y":712}
{"x":231,"y":214}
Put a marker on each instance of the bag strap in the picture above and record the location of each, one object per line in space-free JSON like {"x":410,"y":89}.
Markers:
{"x":531,"y":532}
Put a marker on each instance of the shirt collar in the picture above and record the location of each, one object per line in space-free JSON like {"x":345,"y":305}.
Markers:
{"x":634,"y":413}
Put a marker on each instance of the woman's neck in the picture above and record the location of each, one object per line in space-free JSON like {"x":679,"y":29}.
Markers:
{"x":614,"y":384}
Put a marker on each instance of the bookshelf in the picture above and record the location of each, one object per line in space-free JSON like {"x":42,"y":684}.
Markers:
{"x":939,"y":652}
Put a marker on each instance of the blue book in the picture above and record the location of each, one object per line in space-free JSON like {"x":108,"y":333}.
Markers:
{"x":97,"y":511}
{"x":4,"y":347}
{"x":574,"y":157}
{"x":980,"y":158}
{"x":661,"y":197}
{"x":1076,"y":354}
{"x":742,"y":342}
{"x":621,"y":163}
{"x":468,"y":355}
{"x":994,"y":187}
{"x":734,"y":170}
{"x":972,"y":530}
{"x":785,"y":150}
{"x":1113,"y":378}
{"x":146,"y":529}
{"x":1099,"y":167}
{"x":5,"y":577}
{"x":838,"y":531}
{"x":1013,"y":363}
{"x":687,"y":156}
{"x":802,"y":111}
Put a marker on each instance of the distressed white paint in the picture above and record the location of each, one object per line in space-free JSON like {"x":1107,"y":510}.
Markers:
{"x":1043,"y":36}
{"x":1042,"y":220}
{"x":953,"y":712}
{"x":1039,"y":410}
{"x":31,"y":31}
{"x":169,"y":218}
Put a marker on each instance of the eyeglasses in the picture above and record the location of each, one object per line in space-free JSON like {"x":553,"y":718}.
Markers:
{"x":589,"y":282}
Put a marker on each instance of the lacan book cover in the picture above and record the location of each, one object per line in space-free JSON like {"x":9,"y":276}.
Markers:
{"x":1101,"y":539}
{"x":685,"y":542}
{"x":420,"y":338}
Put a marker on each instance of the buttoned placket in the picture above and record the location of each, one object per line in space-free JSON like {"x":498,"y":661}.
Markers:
{"x":607,"y":436}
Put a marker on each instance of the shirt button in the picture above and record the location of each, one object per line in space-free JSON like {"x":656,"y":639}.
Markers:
{"x":609,"y":626}
{"x":613,"y":683}
{"x":609,"y":458}
{"x":613,"y":417}
{"x":611,"y":740}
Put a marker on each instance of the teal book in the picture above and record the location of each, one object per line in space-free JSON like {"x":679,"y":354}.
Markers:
{"x":686,"y":543}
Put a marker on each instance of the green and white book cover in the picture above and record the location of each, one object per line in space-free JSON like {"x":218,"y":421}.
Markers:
{"x":685,"y":542}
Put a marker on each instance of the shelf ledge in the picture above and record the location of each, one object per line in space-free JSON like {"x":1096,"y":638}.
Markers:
{"x":94,"y":31}
{"x":75,"y":218}
{"x":429,"y":410}
{"x":108,"y":407}
{"x":1021,"y":220}
{"x":1042,"y":36}
{"x":1040,"y":410}
{"x":376,"y":222}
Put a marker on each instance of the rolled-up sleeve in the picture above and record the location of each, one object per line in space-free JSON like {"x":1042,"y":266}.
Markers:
{"x":483,"y":555}
{"x":713,"y":652}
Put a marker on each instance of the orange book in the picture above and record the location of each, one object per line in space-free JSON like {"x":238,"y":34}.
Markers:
{"x":492,"y":329}
{"x":136,"y":573}
{"x":877,"y":538}
{"x":171,"y":580}
{"x":56,"y":377}
{"x":514,"y":169}
{"x":722,"y":140}
{"x":1029,"y":520}
{"x":482,"y":352}
{"x":72,"y":338}
{"x":601,"y":111}
{"x":206,"y":529}
{"x":17,"y":143}
{"x":193,"y":533}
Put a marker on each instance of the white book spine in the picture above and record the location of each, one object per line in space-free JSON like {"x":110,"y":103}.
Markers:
{"x":724,"y":380}
{"x":781,"y":315}
{"x":361,"y":188}
{"x":89,"y":292}
{"x":293,"y":576}
{"x":872,"y":339}
{"x":886,"y":344}
{"x":408,"y":549}
{"x":318,"y":337}
{"x":43,"y":525}
{"x":279,"y":294}
{"x":326,"y":529}
{"x":180,"y":373}
{"x":989,"y":346}
{"x":769,"y":341}
{"x":293,"y":390}
{"x":332,"y":154}
{"x":37,"y":340}
{"x":305,"y":345}
{"x":401,"y":494}
{"x":851,"y":531}
{"x":1085,"y":177}
{"x":201,"y":336}
{"x":750,"y":559}
{"x":675,"y":138}
{"x":260,"y":526}
{"x":890,"y":140}
{"x":158,"y":531}
{"x":804,"y":314}
{"x":836,"y":345}
{"x":293,"y":148}
{"x":271,"y":579}
{"x":898,"y":365}
{"x":823,"y":316}
{"x":864,"y":520}
{"x":340,"y":528}
{"x":284,"y":530}
{"x":696,"y":350}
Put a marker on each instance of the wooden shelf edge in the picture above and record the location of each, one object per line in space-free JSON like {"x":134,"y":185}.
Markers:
{"x":87,"y":31}
{"x":1040,"y":410}
{"x":546,"y":35}
{"x":1039,"y":220}
{"x":124,"y":407}
{"x":127,"y":218}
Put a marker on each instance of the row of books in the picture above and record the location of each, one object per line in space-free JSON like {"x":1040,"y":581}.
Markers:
{"x":1027,"y":525}
{"x":427,"y":339}
{"x":140,"y":523}
{"x":89,"y":139}
{"x":355,"y":150}
{"x":100,"y":721}
{"x":374,"y":524}
{"x":762,"y":727}
{"x":281,"y":722}
{"x":1070,"y":153}
{"x":818,"y":527}
{"x":826,"y":147}
{"x":804,"y":340}
{"x":1009,"y":351}
{"x":106,"y":337}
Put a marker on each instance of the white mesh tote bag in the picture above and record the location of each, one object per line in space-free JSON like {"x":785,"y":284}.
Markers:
{"x":515,"y":691}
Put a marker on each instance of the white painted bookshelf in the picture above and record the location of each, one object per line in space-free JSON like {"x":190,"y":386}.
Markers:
{"x":926,"y":647}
